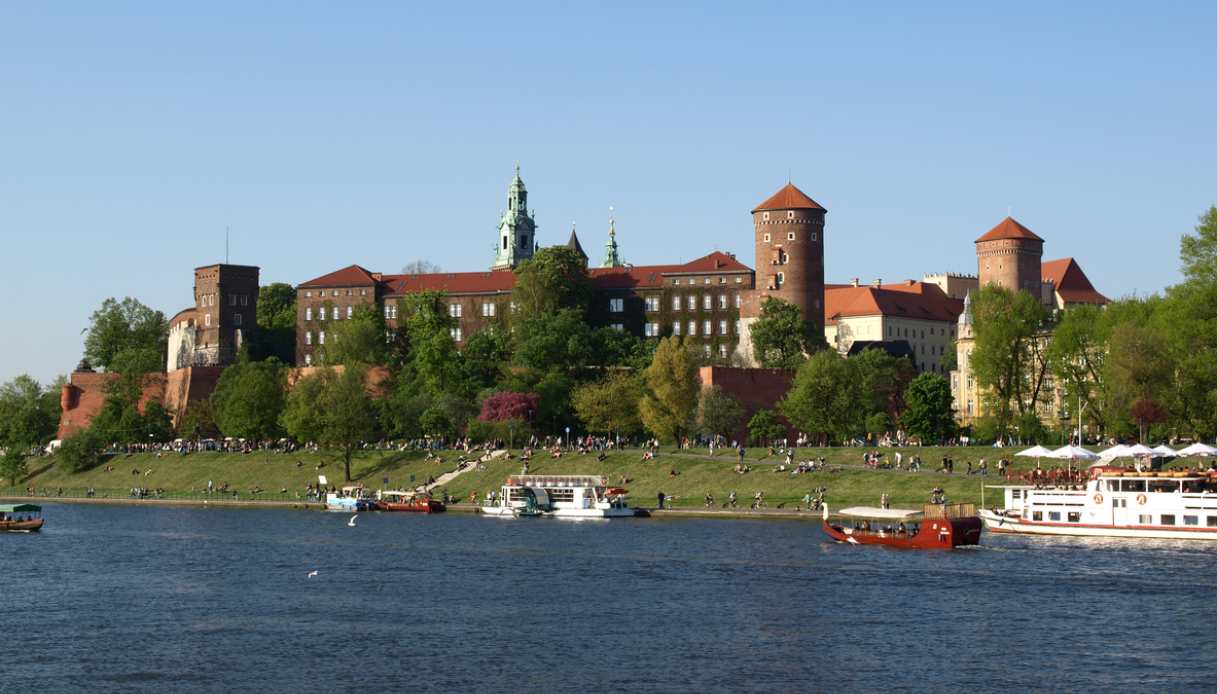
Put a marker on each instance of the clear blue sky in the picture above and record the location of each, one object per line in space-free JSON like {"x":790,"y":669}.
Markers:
{"x":327,"y":134}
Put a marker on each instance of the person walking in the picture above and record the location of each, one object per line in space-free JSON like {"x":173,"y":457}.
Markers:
{"x":660,"y":496}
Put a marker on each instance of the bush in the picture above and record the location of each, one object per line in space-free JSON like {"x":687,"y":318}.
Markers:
{"x":81,"y":451}
{"x":764,"y":427}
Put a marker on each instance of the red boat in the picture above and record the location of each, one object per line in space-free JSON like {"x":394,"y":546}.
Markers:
{"x":407,"y":502}
{"x":936,"y":526}
{"x":20,"y":518}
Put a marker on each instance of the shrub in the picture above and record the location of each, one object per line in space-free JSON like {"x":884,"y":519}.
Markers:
{"x":81,"y":451}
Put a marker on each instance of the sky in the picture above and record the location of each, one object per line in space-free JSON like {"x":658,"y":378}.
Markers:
{"x":132,"y":135}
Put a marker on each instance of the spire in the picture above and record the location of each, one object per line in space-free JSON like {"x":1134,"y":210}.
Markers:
{"x":517,"y":227}
{"x":611,"y":257}
{"x":965,"y":317}
{"x":574,"y":245}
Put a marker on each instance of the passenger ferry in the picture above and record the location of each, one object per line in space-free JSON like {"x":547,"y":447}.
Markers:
{"x":935,"y":526}
{"x":409,"y":502}
{"x":1116,"y":502}
{"x":352,"y":499}
{"x":559,"y":496}
{"x":20,"y":518}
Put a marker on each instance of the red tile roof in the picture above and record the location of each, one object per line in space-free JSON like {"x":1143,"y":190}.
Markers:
{"x":1009,"y":229}
{"x":789,"y":198}
{"x":350,"y":276}
{"x":909,"y":299}
{"x":488,"y":282}
{"x":1071,"y":283}
{"x":653,"y":275}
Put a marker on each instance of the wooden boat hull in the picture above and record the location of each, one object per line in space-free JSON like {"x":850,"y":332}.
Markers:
{"x":417,"y":506}
{"x":934,"y":533}
{"x":28,"y":526}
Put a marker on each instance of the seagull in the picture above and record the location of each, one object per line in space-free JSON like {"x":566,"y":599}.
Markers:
{"x":351,"y":523}
{"x":312,"y":573}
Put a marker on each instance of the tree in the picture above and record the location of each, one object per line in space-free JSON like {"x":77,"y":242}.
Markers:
{"x":276,"y":333}
{"x":359,"y":339}
{"x":1008,"y":357}
{"x":483,"y":357}
{"x":719,"y":413}
{"x":559,"y":340}
{"x":928,"y":409}
{"x":670,"y":400}
{"x":825,"y":399}
{"x":765,"y":427}
{"x":249,"y":398}
{"x":12,"y":464}
{"x":420,"y":267}
{"x":333,"y":409}
{"x":433,"y":361}
{"x":80,"y":451}
{"x":610,"y":405}
{"x":126,"y":325}
{"x":882,"y":379}
{"x":1139,"y":371}
{"x":1077,"y":357}
{"x":29,"y":415}
{"x":554,"y":278}
{"x":780,"y":336}
{"x":506,"y":405}
{"x":1198,"y":252}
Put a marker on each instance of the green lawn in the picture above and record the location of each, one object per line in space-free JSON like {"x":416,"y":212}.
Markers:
{"x":698,"y":473}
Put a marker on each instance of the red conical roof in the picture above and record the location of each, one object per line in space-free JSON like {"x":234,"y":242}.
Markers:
{"x":1009,"y":229}
{"x":789,"y":198}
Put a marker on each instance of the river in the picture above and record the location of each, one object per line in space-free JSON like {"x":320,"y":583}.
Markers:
{"x":147,"y":598}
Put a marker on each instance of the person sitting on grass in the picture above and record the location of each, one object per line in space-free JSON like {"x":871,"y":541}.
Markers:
{"x":673,"y":472}
{"x":709,"y":500}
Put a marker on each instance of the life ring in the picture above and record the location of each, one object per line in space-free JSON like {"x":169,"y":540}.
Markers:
{"x":1141,"y":499}
{"x":1098,"y":499}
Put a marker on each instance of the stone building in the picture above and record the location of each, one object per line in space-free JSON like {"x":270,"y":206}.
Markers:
{"x":910,"y":318}
{"x":211,"y":332}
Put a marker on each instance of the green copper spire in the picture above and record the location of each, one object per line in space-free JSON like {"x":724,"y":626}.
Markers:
{"x":517,"y":227}
{"x":611,"y":257}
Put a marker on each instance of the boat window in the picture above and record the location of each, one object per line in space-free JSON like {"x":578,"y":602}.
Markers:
{"x":1193,"y":486}
{"x":1167,"y":519}
{"x":1016,"y":493}
{"x":1075,"y":517}
{"x":1054,"y":515}
{"x":1212,"y":521}
{"x":1163,"y":486}
{"x":1132,"y":485}
{"x":1191,"y":520}
{"x":1113,"y":485}
{"x":1145,"y":519}
{"x":567,"y":494}
{"x":1037,"y":515}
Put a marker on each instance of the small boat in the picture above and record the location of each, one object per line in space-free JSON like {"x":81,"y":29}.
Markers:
{"x":20,"y":518}
{"x":936,"y":526}
{"x":351,"y":499}
{"x":407,"y":502}
{"x":559,"y":496}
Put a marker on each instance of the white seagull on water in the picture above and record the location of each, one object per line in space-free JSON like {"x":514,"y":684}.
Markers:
{"x":351,"y":523}
{"x":312,"y":573}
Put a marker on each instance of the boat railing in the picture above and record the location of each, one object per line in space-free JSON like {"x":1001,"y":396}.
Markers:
{"x":949,"y":510}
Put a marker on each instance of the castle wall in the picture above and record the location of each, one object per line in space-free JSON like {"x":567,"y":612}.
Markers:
{"x":756,"y":389}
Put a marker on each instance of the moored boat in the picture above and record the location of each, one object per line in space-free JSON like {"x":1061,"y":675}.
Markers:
{"x":350,"y":499}
{"x":558,"y":496}
{"x":407,"y":502}
{"x":936,"y":526}
{"x":1115,"y":502}
{"x":20,"y":518}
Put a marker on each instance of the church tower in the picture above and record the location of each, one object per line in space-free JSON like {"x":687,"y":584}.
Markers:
{"x":517,"y":228}
{"x":612,"y":257}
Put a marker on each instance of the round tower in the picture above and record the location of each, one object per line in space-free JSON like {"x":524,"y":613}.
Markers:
{"x":789,"y":236}
{"x":1009,"y":255}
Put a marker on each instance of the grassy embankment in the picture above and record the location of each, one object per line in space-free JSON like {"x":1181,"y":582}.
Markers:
{"x":185,"y":477}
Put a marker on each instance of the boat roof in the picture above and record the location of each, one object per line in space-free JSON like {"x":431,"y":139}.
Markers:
{"x":20,"y":508}
{"x":879,"y":513}
{"x":557,"y":480}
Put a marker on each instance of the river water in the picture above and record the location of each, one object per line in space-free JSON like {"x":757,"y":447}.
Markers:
{"x":144,"y":598}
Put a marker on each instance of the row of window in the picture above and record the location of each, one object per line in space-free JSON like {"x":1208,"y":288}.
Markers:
{"x":912,"y":332}
{"x":308,"y":293}
{"x":790,"y":236}
{"x":1142,"y":519}
{"x":707,"y":328}
{"x":308,"y":337}
{"x":706,"y":280}
{"x":336,"y":314}
{"x":707,"y":302}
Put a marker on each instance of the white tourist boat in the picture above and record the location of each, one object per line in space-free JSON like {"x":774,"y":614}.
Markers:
{"x":1115,"y":502}
{"x":559,"y":496}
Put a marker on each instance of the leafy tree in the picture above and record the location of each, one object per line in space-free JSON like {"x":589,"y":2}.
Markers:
{"x":559,"y":340}
{"x":433,"y":361}
{"x":610,"y":406}
{"x":1198,"y":252}
{"x":949,"y":360}
{"x":611,"y":347}
{"x":780,"y":336}
{"x":249,"y":398}
{"x":276,"y":333}
{"x":670,"y":401}
{"x":825,"y":399}
{"x":401,"y":410}
{"x":483,"y":357}
{"x":126,"y":325}
{"x":359,"y":339}
{"x":1077,"y":357}
{"x":447,"y":415}
{"x":198,"y":421}
{"x":719,"y":413}
{"x":133,"y":366}
{"x":1008,"y":354}
{"x":554,"y":278}
{"x":80,"y":451}
{"x":928,"y":414}
{"x":29,"y":415}
{"x":1139,"y":371}
{"x":764,"y":427}
{"x":503,"y":406}
{"x":333,"y":409}
{"x":12,"y":464}
{"x":882,"y":379}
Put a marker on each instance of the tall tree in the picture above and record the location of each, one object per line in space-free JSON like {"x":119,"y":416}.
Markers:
{"x":433,"y":361}
{"x":124,"y":325}
{"x":559,"y":340}
{"x":333,"y":409}
{"x":249,"y":398}
{"x":360,"y":339}
{"x":483,"y":357}
{"x":1077,"y":355}
{"x":554,"y":278}
{"x":672,"y":387}
{"x":276,"y":333}
{"x":825,"y":399}
{"x":610,"y":406}
{"x":765,"y":427}
{"x":719,"y":413}
{"x":29,"y":414}
{"x":882,"y":379}
{"x":1139,"y":372}
{"x":1198,"y":251}
{"x":1008,"y":355}
{"x":780,"y":336}
{"x":929,"y":414}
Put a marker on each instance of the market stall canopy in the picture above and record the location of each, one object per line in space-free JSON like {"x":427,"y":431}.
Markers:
{"x":1116,"y":451}
{"x":1197,"y":449}
{"x":1165,"y":451}
{"x":1139,"y":450}
{"x":1035,"y":452}
{"x":1073,"y":453}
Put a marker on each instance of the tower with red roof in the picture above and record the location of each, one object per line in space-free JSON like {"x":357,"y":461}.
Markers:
{"x":1009,"y":255}
{"x":788,"y":230}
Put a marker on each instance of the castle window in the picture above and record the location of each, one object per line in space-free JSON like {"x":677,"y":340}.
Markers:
{"x":350,"y":311}
{"x":616,"y":305}
{"x":455,"y":310}
{"x":737,"y":327}
{"x":766,"y":237}
{"x":652,"y":303}
{"x":781,"y":279}
{"x":692,"y":327}
{"x":722,"y":327}
{"x":651,"y":330}
{"x":813,"y":236}
{"x":707,"y":302}
{"x":676,"y":328}
{"x":737,"y":300}
{"x":765,"y":216}
{"x":232,"y":299}
{"x":207,"y":320}
{"x":790,"y":214}
{"x":675,"y":303}
{"x":692,"y":302}
{"x":618,"y":327}
{"x":349,"y":291}
{"x":739,"y":280}
{"x":487,"y":309}
{"x":308,"y":338}
{"x":245,"y":300}
{"x":236,"y":319}
{"x":790,"y":236}
{"x":363,"y":292}
{"x":335,"y":292}
{"x":308,"y":360}
{"x":456,"y":334}
{"x":308,"y":295}
{"x":706,"y":281}
{"x":706,"y":350}
{"x":321,"y":313}
{"x":722,"y":351}
{"x":504,"y":243}
{"x":321,"y":337}
{"x":388,"y":311}
{"x":308,"y":313}
{"x":706,"y":328}
{"x":722,"y":301}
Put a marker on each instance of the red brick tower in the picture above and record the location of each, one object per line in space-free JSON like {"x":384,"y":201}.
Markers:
{"x":1009,"y":256}
{"x":226,"y":305}
{"x":789,"y":237}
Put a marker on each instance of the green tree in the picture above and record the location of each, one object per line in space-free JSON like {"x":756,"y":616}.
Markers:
{"x":29,"y":415}
{"x":249,"y":398}
{"x":433,"y":363}
{"x":359,"y":339}
{"x":670,"y":401}
{"x":12,"y":464}
{"x":554,"y":278}
{"x":780,"y":336}
{"x":610,"y":405}
{"x":825,"y":399}
{"x":80,"y":451}
{"x":1198,"y":252}
{"x":765,"y":427}
{"x":882,"y":379}
{"x":1139,"y":371}
{"x":125,"y":325}
{"x":928,"y":409}
{"x":276,"y":333}
{"x":1008,"y":355}
{"x":719,"y":413}
{"x":560,"y":340}
{"x":483,"y":357}
{"x":1077,"y":357}
{"x":333,"y":409}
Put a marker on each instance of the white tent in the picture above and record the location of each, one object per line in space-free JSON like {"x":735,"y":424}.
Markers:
{"x":1073,"y":453}
{"x":1196,"y":449}
{"x":1117,"y":451}
{"x":1139,"y":450}
{"x":1165,"y":451}
{"x":1035,"y":452}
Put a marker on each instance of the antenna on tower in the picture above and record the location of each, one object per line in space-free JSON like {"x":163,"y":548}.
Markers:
{"x":225,"y":244}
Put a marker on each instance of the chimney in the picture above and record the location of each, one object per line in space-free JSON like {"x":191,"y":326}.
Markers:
{"x":854,"y":282}
{"x":377,"y":276}
{"x":877,"y":283}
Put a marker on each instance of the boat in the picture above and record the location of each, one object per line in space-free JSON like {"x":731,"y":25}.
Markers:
{"x":558,"y":496}
{"x":20,"y":518}
{"x":936,"y":526}
{"x":1114,"y":502}
{"x":407,"y":502}
{"x":350,"y":499}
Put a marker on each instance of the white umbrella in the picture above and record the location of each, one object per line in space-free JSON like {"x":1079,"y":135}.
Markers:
{"x":1073,"y":453}
{"x":1196,"y":449}
{"x":1139,"y":450}
{"x":1165,"y":451}
{"x":1035,"y":452}
{"x":1117,"y":451}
